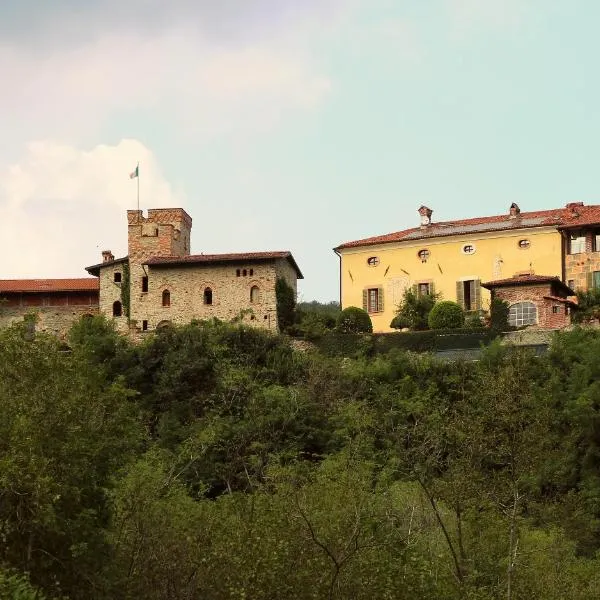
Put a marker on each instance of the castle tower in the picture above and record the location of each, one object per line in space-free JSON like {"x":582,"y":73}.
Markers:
{"x":164,"y":232}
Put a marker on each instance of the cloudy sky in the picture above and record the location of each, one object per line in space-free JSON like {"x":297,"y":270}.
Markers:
{"x":286,"y":124}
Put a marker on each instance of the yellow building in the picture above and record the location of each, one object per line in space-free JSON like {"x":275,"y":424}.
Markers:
{"x":453,"y":258}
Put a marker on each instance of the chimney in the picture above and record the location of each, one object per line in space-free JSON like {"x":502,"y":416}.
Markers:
{"x":514,"y":211}
{"x":107,"y":256}
{"x":425,"y":216}
{"x":572,"y":208}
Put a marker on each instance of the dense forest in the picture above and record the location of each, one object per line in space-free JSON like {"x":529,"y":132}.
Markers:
{"x":216,"y":462}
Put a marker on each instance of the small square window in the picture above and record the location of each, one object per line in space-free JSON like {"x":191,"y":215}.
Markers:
{"x":555,"y":310}
{"x":117,"y":277}
{"x":571,"y":283}
{"x":144,"y":325}
{"x":577,"y":242}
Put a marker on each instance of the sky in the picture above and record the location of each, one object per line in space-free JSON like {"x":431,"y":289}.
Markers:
{"x":286,"y":124}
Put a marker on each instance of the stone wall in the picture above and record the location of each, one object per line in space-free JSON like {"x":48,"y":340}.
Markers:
{"x":110,"y":292}
{"x":547,"y":318}
{"x":187,"y":285}
{"x":51,"y":319}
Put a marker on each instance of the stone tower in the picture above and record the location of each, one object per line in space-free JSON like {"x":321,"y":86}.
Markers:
{"x":164,"y":232}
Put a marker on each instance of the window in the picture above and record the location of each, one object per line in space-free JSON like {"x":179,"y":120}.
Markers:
{"x":468,"y":249}
{"x":423,"y":254}
{"x":555,"y":310}
{"x":208,"y":299}
{"x":373,"y":261}
{"x":423,"y":289}
{"x":117,"y":277}
{"x":524,"y":243}
{"x":244,"y":272}
{"x":145,"y":283}
{"x":117,"y":309}
{"x":571,"y":283}
{"x":251,"y":272}
{"x":521,"y":314}
{"x":166,"y":298}
{"x":237,"y":272}
{"x":468,"y":294}
{"x":144,"y":325}
{"x":373,"y":300}
{"x":596,"y":241}
{"x":254,"y":294}
{"x":576,"y":242}
{"x":596,"y":280}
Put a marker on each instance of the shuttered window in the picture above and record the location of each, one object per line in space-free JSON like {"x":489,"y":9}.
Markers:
{"x":468,"y":294}
{"x":373,"y":300}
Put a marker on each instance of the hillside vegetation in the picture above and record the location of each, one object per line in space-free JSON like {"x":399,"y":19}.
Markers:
{"x":215,"y":462}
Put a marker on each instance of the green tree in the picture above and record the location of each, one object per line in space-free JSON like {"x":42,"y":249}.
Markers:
{"x":446,"y":315}
{"x":286,"y":304}
{"x":414,"y":310}
{"x":354,"y":320}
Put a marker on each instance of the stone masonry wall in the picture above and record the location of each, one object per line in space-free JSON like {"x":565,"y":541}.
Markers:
{"x":186,"y":286}
{"x":577,"y":266}
{"x":110,"y":292}
{"x":547,"y":319}
{"x":285,"y":270}
{"x":51,"y":319}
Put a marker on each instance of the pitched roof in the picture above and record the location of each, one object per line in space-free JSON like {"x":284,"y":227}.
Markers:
{"x":529,"y":280}
{"x":87,"y":284}
{"x":575,"y":214}
{"x":95,"y":269}
{"x":192,"y":259}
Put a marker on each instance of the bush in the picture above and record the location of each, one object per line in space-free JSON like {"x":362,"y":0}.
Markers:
{"x":354,"y":320}
{"x":413,"y":310}
{"x":446,"y":315}
{"x":499,"y":315}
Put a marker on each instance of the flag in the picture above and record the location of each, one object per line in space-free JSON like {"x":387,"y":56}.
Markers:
{"x":135,"y":173}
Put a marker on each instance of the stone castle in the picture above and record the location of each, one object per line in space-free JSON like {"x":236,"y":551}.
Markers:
{"x":157,"y":284}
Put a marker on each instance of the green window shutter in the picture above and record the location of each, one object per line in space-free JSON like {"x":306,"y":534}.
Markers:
{"x":431,"y":289}
{"x":460,"y":293}
{"x":590,"y":280}
{"x":366,"y":300}
{"x":415,"y":289}
{"x":476,"y":293}
{"x":380,"y":300}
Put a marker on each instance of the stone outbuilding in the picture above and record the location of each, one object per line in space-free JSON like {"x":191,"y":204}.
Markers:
{"x":56,"y":303}
{"x":537,"y":300}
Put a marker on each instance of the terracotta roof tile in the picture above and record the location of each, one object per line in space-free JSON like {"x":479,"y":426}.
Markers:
{"x":157,"y":261}
{"x":573,"y":215}
{"x":529,"y":280}
{"x":49,"y":285}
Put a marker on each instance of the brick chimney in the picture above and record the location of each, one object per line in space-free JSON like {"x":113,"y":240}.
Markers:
{"x":425,"y":216}
{"x":514,"y":210}
{"x":107,"y":256}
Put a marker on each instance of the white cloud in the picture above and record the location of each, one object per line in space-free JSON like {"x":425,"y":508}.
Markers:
{"x":60,"y":206}
{"x":72,"y":92}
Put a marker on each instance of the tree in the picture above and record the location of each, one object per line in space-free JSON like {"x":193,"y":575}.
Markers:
{"x":499,"y":310}
{"x":413,"y":310}
{"x":354,"y":320}
{"x":286,"y":304}
{"x":446,"y":315}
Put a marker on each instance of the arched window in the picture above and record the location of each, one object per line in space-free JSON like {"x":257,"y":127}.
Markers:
{"x":522,"y":313}
{"x":254,"y":294}
{"x":166,"y":298}
{"x":207,"y":296}
{"x":117,"y":309}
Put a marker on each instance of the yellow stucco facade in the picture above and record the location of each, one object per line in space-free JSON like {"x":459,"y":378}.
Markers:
{"x":375,"y":276}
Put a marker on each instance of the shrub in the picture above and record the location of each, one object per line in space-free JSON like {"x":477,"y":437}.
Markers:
{"x":499,"y":315}
{"x":414,"y":310}
{"x":354,"y":320}
{"x":473,"y":320}
{"x":446,"y":315}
